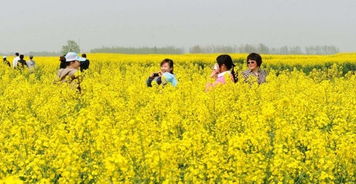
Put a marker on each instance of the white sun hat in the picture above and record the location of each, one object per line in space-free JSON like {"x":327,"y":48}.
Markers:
{"x":4,"y":57}
{"x":72,"y":56}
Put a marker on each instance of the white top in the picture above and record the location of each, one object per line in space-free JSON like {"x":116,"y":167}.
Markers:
{"x":30,"y":63}
{"x":15,"y":61}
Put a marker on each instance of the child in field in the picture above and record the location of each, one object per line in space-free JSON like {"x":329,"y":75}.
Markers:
{"x":165,"y":76}
{"x":70,"y":73}
{"x":223,"y":71}
{"x":254,"y":62}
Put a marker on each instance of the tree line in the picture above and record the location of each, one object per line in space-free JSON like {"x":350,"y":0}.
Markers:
{"x":139,"y":50}
{"x":245,"y":48}
{"x":263,"y":49}
{"x":72,"y":46}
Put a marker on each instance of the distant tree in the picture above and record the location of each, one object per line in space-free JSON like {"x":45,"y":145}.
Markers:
{"x":321,"y":50}
{"x":139,"y":50}
{"x":284,"y":50}
{"x":295,"y":50}
{"x":247,"y":48}
{"x":263,"y":49}
{"x":196,"y":49}
{"x":43,"y":53}
{"x":71,"y":46}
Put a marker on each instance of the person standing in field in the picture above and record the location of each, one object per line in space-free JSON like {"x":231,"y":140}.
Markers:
{"x":254,"y":72}
{"x":85,"y":64}
{"x":223,"y":71}
{"x":16,"y":59}
{"x":5,"y":61}
{"x":71,"y":74}
{"x":31,"y":63}
{"x":21,"y":62}
{"x":165,"y":76}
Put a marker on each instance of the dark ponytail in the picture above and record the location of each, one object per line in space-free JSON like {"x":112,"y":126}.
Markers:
{"x":234,"y":75}
{"x":227,"y":61}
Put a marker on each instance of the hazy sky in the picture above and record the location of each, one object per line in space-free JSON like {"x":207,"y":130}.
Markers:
{"x":39,"y":25}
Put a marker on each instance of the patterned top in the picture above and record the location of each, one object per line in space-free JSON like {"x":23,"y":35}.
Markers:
{"x":67,"y":74}
{"x":261,"y":75}
{"x":70,"y":76}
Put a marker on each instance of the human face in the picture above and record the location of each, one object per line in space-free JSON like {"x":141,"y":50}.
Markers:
{"x":222,"y":68}
{"x":165,"y":68}
{"x":75,"y":64}
{"x":252,"y":64}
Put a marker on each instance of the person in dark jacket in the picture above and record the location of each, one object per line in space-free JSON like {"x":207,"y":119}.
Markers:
{"x":85,"y":64}
{"x":22,"y":62}
{"x":62,"y":61}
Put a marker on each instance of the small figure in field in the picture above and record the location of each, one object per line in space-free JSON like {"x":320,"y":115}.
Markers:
{"x":164,"y":76}
{"x":31,"y":63}
{"x":62,"y":63}
{"x":254,"y":62}
{"x":85,"y":64}
{"x":71,"y":73}
{"x":21,"y":62}
{"x":5,"y":61}
{"x":223,"y":71}
{"x":15,"y":60}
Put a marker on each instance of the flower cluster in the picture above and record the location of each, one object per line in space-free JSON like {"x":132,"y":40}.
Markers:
{"x":296,"y":128}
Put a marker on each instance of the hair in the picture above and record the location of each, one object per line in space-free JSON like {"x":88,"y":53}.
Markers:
{"x":256,"y":57}
{"x":31,"y":57}
{"x":63,"y":63}
{"x":227,"y":61}
{"x":170,"y":63}
{"x":17,"y":54}
{"x":84,"y":55}
{"x":22,"y":56}
{"x":62,"y":59}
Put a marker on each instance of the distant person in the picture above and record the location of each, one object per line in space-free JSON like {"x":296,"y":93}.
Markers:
{"x":62,"y":61}
{"x":31,"y":63}
{"x":16,"y":59}
{"x":223,"y":71}
{"x":164,"y":76}
{"x":85,"y":64}
{"x":254,"y":72}
{"x":21,"y":62}
{"x":70,"y":73}
{"x":5,"y":61}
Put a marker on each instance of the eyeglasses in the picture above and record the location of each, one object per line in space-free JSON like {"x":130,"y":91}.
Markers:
{"x":252,"y":62}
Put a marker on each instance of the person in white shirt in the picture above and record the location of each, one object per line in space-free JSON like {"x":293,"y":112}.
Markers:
{"x":31,"y":63}
{"x":16,"y":59}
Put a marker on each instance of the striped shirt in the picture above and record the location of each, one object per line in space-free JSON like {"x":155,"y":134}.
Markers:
{"x":261,"y":75}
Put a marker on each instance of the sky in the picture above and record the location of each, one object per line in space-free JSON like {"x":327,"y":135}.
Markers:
{"x":46,"y":25}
